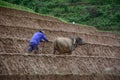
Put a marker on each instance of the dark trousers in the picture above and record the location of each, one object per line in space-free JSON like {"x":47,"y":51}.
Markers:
{"x":32,"y":46}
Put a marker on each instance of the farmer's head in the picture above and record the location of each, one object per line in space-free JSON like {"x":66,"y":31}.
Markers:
{"x":41,"y":31}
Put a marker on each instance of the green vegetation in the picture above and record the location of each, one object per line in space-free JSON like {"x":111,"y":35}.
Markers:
{"x":23,"y":8}
{"x":14,"y":6}
{"x":104,"y":15}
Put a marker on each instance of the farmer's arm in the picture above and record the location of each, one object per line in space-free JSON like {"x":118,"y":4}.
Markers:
{"x":45,"y":38}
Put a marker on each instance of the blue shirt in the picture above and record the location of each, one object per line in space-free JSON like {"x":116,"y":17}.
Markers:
{"x":37,"y":37}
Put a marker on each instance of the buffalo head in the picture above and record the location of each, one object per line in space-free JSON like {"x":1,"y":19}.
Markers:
{"x":78,"y":41}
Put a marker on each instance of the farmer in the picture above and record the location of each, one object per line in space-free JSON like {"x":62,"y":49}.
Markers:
{"x":35,"y":40}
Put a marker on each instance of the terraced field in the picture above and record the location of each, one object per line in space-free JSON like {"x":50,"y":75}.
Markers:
{"x":99,"y":59}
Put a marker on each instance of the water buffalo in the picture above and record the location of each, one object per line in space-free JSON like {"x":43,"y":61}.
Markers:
{"x":66,"y":44}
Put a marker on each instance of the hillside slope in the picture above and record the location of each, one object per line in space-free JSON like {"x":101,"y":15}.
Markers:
{"x":104,"y":15}
{"x":98,"y":59}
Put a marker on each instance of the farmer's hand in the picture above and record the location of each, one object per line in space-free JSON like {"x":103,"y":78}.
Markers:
{"x":47,"y":41}
{"x":42,"y":40}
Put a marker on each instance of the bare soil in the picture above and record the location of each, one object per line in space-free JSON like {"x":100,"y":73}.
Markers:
{"x":99,"y":59}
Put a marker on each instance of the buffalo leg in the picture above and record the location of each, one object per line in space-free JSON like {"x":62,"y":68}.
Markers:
{"x":54,"y":50}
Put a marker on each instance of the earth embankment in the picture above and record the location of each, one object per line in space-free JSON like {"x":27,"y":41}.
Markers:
{"x":99,"y":59}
